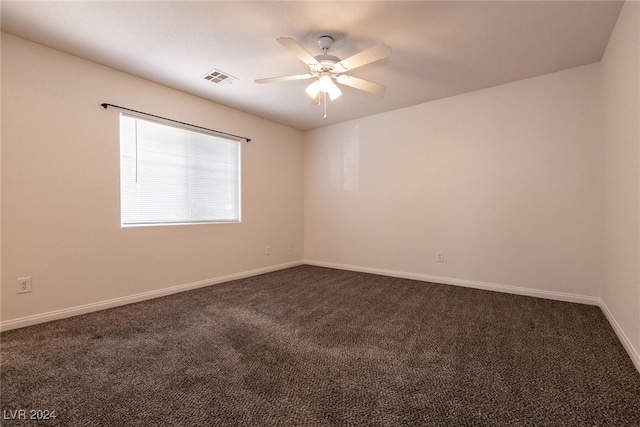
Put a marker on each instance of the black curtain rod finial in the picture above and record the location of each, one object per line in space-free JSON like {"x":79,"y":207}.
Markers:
{"x":105,"y":105}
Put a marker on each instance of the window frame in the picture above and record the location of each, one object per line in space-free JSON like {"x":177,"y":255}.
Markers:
{"x":191,"y":130}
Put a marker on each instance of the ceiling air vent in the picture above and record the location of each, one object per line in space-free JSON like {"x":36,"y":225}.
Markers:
{"x":220,"y":78}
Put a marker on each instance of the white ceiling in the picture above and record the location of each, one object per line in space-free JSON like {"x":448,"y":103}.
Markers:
{"x":439,"y":49}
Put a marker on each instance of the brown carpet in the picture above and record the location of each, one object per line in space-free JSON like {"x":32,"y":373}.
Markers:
{"x":311,"y":346}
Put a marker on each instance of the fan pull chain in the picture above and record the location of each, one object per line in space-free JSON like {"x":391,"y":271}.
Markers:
{"x":324,"y":101}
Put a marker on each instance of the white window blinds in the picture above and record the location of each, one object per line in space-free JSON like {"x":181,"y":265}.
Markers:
{"x":171,"y":175}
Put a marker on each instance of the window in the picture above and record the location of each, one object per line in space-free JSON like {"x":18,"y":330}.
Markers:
{"x":172,"y":175}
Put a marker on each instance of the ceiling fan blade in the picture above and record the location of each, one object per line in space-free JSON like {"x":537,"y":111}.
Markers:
{"x":365,"y":85}
{"x":284,"y":78}
{"x":298,"y":51}
{"x":365,"y":57}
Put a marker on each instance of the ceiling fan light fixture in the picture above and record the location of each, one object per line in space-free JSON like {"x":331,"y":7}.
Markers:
{"x":334,"y":92}
{"x":326,"y":83}
{"x":313,"y":89}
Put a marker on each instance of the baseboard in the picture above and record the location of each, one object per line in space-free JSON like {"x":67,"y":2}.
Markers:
{"x":633,"y":354}
{"x":559,"y":296}
{"x":115,"y":302}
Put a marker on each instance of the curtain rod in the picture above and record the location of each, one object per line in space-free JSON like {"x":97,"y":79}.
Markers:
{"x":105,"y":105}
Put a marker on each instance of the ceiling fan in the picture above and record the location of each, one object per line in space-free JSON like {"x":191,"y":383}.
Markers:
{"x":327,"y":70}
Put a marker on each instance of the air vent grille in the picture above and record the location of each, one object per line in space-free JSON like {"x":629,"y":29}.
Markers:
{"x":219,"y":77}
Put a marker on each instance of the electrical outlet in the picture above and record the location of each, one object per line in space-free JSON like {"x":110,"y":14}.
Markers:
{"x":440,"y":256}
{"x":290,"y":247}
{"x":268,"y":250}
{"x":24,"y":285}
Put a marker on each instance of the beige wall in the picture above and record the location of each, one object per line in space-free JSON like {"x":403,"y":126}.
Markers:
{"x":60,"y":188}
{"x":505,"y":181}
{"x":621,"y":112}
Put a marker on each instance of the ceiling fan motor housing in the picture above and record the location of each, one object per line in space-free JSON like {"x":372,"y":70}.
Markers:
{"x":326,"y":61}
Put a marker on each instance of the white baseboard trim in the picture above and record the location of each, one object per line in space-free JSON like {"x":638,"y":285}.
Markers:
{"x":633,"y":354}
{"x":559,"y":296}
{"x":130,"y":299}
